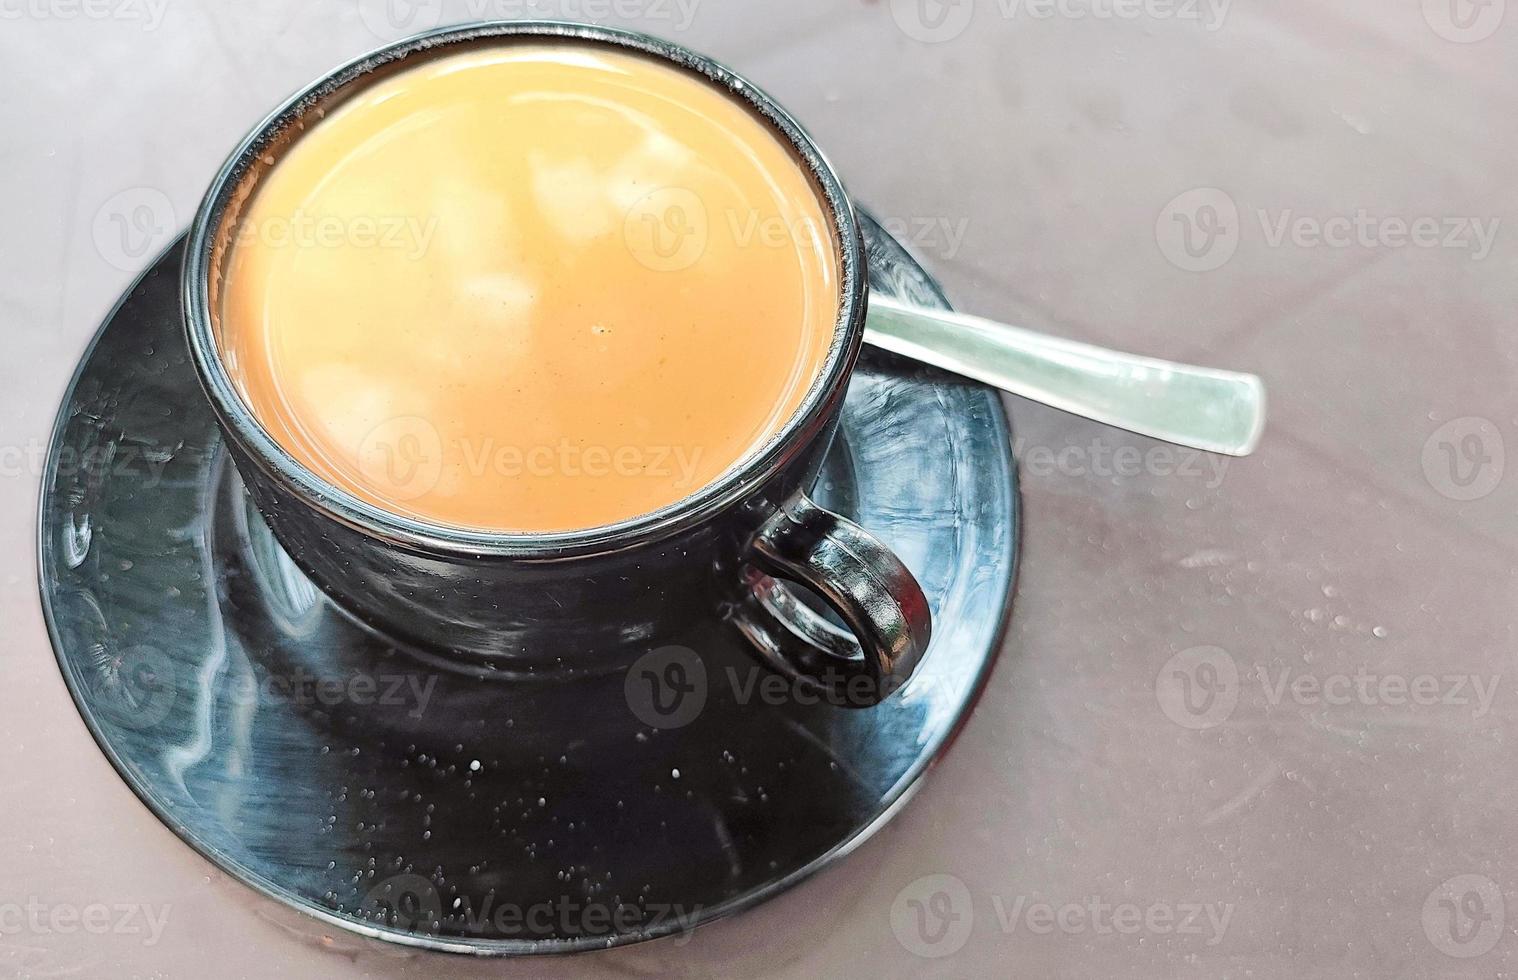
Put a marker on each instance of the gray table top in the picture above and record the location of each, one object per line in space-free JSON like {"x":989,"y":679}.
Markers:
{"x":1251,"y":714}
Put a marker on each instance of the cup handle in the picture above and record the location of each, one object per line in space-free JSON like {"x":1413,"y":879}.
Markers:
{"x":860,"y":578}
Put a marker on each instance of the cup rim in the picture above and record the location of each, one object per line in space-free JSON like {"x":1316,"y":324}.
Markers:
{"x":756,"y":466}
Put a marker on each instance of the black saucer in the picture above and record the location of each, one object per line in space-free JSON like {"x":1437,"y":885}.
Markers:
{"x":372,"y":787}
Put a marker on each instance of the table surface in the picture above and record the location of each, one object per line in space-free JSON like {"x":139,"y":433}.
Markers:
{"x":1251,"y":715}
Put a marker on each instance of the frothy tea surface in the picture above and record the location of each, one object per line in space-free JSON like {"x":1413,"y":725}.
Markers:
{"x":531,"y":287}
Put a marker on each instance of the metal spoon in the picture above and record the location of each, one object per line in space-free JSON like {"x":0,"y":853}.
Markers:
{"x":1204,"y":408}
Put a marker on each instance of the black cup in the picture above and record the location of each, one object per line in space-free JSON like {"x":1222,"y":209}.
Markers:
{"x":585,"y":601}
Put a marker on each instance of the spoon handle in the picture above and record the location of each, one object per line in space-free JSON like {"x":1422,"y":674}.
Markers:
{"x":1217,"y":411}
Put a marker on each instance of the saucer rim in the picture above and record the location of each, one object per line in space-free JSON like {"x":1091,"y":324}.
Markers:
{"x":901,"y":791}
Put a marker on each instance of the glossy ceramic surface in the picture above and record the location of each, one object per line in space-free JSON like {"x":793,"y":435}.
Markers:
{"x":386,"y":792}
{"x":511,"y":602}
